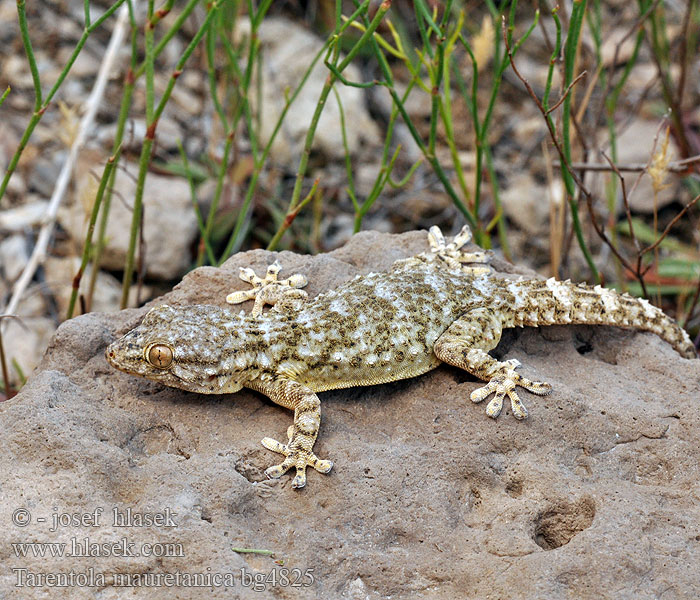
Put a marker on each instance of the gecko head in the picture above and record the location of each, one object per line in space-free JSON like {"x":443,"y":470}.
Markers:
{"x":184,"y":347}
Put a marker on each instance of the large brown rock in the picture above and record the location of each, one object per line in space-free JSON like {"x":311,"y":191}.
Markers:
{"x":594,"y":496}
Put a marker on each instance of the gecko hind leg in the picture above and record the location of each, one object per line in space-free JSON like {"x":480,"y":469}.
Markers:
{"x":452,"y":254}
{"x":465,"y":344}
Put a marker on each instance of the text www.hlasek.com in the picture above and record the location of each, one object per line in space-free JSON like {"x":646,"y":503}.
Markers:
{"x":84,"y":547}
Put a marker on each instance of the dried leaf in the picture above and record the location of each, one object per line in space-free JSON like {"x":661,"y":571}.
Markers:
{"x":483,"y":42}
{"x":658,"y":170}
{"x":69,"y":124}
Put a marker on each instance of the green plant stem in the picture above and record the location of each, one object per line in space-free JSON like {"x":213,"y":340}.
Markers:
{"x":501,"y":226}
{"x":151,"y":125}
{"x":379,"y":184}
{"x":211,"y":38}
{"x":144,"y":158}
{"x":253,"y":551}
{"x":87,"y":247}
{"x":570,"y":50}
{"x":218,"y":190}
{"x":144,"y":161}
{"x":552,"y":62}
{"x":442,"y":176}
{"x":291,"y":215}
{"x":175,"y":27}
{"x":125,"y":105}
{"x":445,"y":107}
{"x":241,"y":108}
{"x":330,"y":80}
{"x":501,"y":59}
{"x":3,"y":363}
{"x":40,"y":105}
{"x":26,"y":41}
{"x":5,"y":94}
{"x":195,"y":207}
{"x":262,"y":159}
{"x":346,"y":151}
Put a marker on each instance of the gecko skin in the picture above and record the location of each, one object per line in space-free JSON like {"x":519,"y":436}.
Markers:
{"x":380,"y":327}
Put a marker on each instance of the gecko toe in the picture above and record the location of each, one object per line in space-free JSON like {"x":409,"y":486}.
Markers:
{"x":541,"y":388}
{"x":322,"y":466}
{"x":300,"y":479}
{"x":277,"y":471}
{"x":484,"y":392}
{"x":517,"y":406}
{"x":493,"y":409}
{"x":274,"y":445}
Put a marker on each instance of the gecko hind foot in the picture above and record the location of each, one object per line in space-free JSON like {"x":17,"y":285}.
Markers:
{"x":503,"y":384}
{"x":295,"y":457}
{"x":452,"y":253}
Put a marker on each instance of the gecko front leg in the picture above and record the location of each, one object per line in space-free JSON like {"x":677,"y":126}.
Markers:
{"x":465,"y":344}
{"x":302,"y":435}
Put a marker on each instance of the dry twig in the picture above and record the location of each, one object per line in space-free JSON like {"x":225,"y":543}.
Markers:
{"x":92,"y":104}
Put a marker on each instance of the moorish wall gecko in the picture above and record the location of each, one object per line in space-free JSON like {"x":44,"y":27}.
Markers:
{"x":439,"y":306}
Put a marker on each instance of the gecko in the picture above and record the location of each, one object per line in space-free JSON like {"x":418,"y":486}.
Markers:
{"x":445,"y":305}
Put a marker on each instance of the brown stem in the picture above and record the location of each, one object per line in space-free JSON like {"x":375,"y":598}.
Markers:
{"x":693,"y":305}
{"x":579,"y":182}
{"x":566,"y":92}
{"x":671,"y":224}
{"x":677,"y":166}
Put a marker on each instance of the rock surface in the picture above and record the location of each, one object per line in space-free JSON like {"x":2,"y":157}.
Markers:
{"x":594,"y":496}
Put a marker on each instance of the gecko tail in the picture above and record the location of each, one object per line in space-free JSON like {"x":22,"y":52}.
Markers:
{"x":556,"y":302}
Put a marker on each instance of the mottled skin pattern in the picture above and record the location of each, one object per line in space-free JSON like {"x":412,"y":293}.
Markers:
{"x":377,"y":328}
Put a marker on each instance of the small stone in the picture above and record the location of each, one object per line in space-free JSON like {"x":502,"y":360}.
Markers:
{"x":610,"y":46}
{"x":85,"y":65}
{"x":45,"y":173}
{"x":60,"y":273}
{"x":25,"y":344}
{"x":24,"y":216}
{"x":287,"y":51}
{"x":356,"y":590}
{"x":170,"y":225}
{"x":16,"y":186}
{"x":527,"y":204}
{"x":14,"y":256}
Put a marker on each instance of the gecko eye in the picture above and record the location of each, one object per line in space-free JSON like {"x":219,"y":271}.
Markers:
{"x":159,"y":355}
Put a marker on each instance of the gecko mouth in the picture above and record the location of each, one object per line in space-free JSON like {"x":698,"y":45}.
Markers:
{"x":111,"y":355}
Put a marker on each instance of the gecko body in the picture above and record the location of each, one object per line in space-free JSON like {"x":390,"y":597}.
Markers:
{"x":440,"y":306}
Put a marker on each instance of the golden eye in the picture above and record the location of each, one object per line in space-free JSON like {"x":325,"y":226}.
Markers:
{"x":159,"y":355}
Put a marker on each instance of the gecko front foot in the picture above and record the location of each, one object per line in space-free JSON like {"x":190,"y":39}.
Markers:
{"x":283,"y":294}
{"x":503,"y":383}
{"x":297,"y":457}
